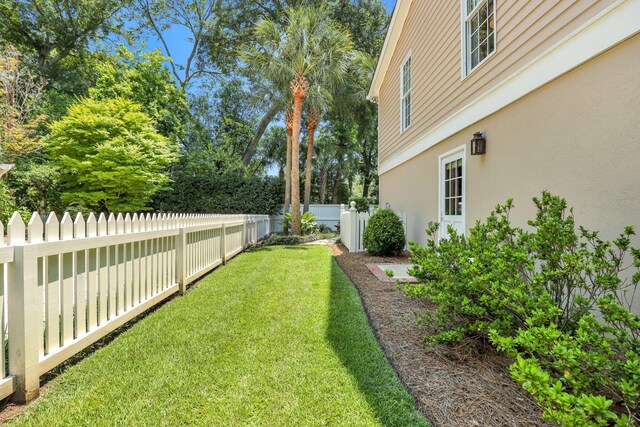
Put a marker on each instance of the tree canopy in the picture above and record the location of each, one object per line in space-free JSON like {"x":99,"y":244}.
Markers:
{"x":110,"y":155}
{"x":53,"y":29}
{"x":142,"y":78}
{"x":138,"y":104}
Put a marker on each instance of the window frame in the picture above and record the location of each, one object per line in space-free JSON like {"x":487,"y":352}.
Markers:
{"x":465,"y":24}
{"x":409,"y":93}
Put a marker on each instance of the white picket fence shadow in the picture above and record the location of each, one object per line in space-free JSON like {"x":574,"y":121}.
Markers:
{"x":353,"y":223}
{"x":65,"y":284}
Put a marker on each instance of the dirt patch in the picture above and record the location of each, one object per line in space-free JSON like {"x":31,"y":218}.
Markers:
{"x":463,"y":385}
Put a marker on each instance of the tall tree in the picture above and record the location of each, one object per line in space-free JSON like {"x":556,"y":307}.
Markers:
{"x":288,"y":120}
{"x":141,"y":77}
{"x":276,"y":104}
{"x":21,"y":91}
{"x":365,"y":19}
{"x":53,"y":29}
{"x":209,"y":24}
{"x":325,"y":159}
{"x":313,"y":120}
{"x":310,"y":46}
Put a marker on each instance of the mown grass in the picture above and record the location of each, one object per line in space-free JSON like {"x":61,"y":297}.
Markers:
{"x":278,"y":337}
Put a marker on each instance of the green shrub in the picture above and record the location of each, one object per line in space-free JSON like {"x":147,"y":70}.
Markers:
{"x":8,"y":206}
{"x":362,"y":204}
{"x":35,"y":184}
{"x":536,"y":295}
{"x":308,"y":221}
{"x":207,"y":183}
{"x":325,"y":229}
{"x":384,"y":234}
{"x":586,"y":377}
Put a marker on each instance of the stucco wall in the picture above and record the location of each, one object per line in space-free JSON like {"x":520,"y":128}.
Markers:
{"x":578,"y":136}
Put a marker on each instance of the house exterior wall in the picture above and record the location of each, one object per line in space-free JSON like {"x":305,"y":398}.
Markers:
{"x":432,"y":33}
{"x":578,"y":136}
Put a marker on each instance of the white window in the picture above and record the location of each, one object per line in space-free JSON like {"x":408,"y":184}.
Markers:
{"x":405,"y":95}
{"x":479,"y":32}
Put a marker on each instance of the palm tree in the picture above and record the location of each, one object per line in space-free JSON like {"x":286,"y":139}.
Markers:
{"x":310,"y":47}
{"x":288,"y":121}
{"x":313,"y":119}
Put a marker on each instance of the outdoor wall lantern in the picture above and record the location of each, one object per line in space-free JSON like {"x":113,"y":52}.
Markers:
{"x":478,"y":144}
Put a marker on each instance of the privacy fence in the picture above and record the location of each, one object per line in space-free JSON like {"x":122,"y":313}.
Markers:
{"x":328,"y":215}
{"x":353,"y":223}
{"x":66,"y":284}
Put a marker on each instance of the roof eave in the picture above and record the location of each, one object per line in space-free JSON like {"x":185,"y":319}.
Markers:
{"x":400,"y":13}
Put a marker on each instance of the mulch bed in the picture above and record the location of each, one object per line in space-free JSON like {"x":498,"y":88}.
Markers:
{"x":463,"y":385}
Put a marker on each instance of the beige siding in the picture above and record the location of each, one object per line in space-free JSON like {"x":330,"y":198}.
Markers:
{"x":431,"y":32}
{"x":585,"y":148}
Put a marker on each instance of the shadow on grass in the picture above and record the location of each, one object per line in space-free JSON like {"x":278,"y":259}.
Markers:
{"x":352,"y":338}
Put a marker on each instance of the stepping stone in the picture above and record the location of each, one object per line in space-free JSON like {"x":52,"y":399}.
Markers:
{"x":399,"y":272}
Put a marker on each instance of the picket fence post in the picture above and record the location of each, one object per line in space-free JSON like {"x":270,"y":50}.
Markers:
{"x":244,"y":233}
{"x":255,"y":232}
{"x":181,"y":260}
{"x":223,"y":244}
{"x":25,"y":334}
{"x":353,"y":228}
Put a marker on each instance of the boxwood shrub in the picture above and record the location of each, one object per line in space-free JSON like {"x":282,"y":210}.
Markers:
{"x":384,"y":234}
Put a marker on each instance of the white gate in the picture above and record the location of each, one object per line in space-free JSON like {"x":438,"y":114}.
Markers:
{"x":353,"y":224}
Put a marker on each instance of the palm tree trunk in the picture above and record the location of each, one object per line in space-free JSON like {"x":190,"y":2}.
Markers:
{"x":299,"y":88}
{"x":312,"y":124}
{"x":287,"y":175}
{"x":323,"y":183}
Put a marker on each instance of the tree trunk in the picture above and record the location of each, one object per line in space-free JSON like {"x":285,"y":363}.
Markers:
{"x":311,"y":128}
{"x":323,"y":183}
{"x":299,"y":88}
{"x":262,"y":127}
{"x":336,"y":188}
{"x":365,"y":186}
{"x":287,"y":174}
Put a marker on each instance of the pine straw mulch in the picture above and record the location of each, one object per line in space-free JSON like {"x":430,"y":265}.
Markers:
{"x":463,"y":385}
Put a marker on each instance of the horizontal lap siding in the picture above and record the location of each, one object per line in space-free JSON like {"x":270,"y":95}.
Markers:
{"x":525,"y":29}
{"x":592,"y":162}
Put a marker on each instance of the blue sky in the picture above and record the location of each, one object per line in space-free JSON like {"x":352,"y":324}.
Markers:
{"x":389,"y":3}
{"x":176,"y":38}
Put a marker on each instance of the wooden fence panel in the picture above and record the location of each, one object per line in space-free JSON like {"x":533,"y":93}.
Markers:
{"x":65,"y":284}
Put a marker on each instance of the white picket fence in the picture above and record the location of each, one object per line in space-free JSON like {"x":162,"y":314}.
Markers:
{"x":353,"y":223}
{"x":66,"y":284}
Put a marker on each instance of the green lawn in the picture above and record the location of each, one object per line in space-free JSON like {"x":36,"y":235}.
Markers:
{"x":278,"y":337}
